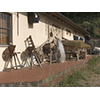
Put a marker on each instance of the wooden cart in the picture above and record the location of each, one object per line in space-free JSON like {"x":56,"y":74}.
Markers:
{"x":74,"y":48}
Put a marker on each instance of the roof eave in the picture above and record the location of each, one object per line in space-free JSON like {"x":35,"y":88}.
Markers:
{"x":72,"y":22}
{"x":74,"y":25}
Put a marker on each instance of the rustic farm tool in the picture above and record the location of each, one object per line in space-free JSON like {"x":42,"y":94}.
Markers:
{"x":8,"y":55}
{"x":50,"y":49}
{"x":30,"y":52}
{"x":74,"y":47}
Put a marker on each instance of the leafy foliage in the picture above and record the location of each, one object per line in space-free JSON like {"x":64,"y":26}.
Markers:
{"x":90,"y":21}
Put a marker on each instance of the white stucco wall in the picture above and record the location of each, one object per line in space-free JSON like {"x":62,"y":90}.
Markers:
{"x":68,"y":36}
{"x":39,"y":32}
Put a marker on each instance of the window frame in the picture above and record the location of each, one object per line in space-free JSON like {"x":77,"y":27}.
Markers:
{"x":9,"y":36}
{"x":81,"y":38}
{"x":75,"y":36}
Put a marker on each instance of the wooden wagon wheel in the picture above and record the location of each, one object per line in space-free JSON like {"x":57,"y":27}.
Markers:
{"x":6,"y":55}
{"x":23,"y":56}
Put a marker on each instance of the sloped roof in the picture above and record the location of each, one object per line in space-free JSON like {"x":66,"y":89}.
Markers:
{"x":70,"y":23}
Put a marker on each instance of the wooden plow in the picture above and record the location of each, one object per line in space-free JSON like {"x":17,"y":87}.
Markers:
{"x":50,"y":51}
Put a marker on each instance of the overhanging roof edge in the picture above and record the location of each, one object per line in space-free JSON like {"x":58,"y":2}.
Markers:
{"x":72,"y":22}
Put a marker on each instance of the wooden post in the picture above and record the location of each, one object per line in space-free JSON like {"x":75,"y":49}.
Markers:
{"x":77,"y":54}
{"x":85,"y":53}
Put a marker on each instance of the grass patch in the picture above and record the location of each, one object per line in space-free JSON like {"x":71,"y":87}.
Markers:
{"x":82,"y":74}
{"x":72,"y":80}
{"x":94,"y":65}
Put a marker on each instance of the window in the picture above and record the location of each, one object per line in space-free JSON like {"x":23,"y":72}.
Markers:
{"x":81,"y":38}
{"x":75,"y":38}
{"x":5,"y":28}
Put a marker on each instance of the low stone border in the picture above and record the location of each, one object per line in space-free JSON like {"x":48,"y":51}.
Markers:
{"x":59,"y":82}
{"x":43,"y":81}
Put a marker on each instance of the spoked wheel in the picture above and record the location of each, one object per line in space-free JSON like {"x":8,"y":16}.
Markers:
{"x":23,"y":56}
{"x":6,"y":55}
